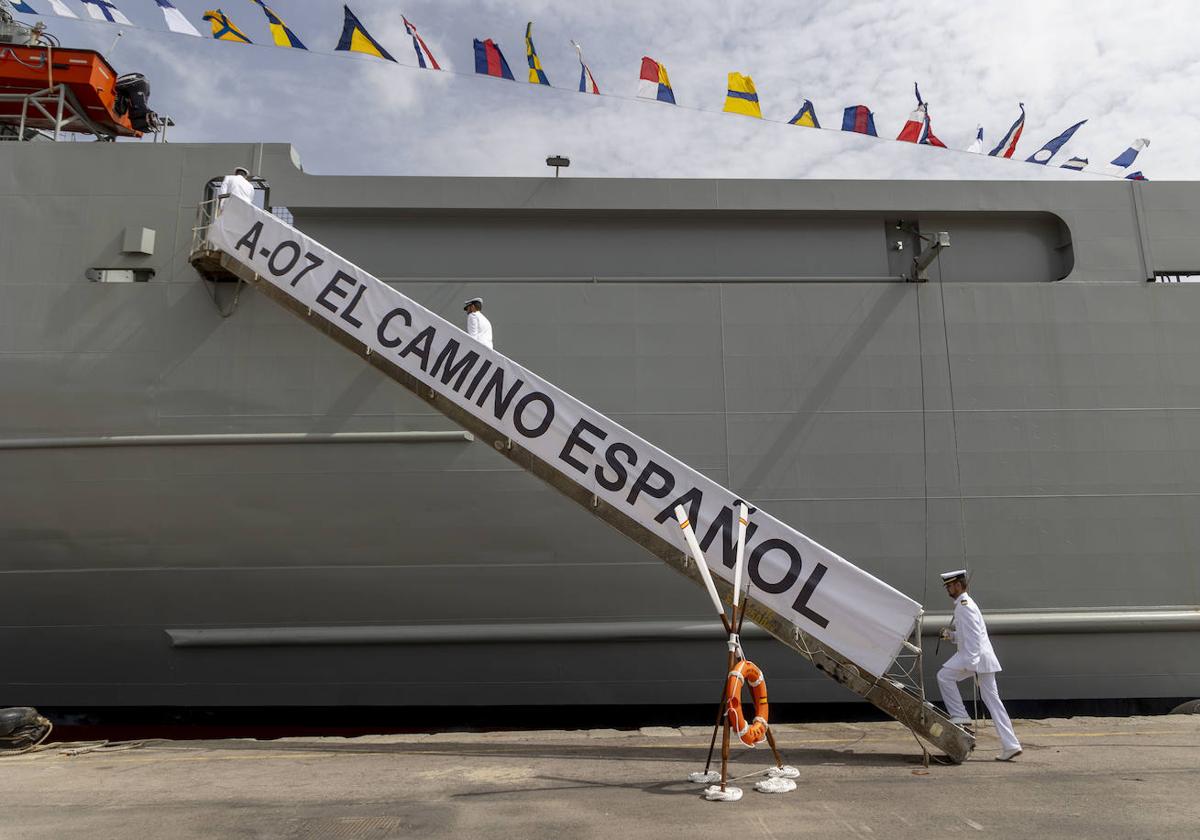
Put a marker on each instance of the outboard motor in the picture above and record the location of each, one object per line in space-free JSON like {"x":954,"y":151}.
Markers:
{"x":21,"y":728}
{"x":133,"y":98}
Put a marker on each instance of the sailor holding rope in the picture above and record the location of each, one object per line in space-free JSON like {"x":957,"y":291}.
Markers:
{"x":975,"y":657}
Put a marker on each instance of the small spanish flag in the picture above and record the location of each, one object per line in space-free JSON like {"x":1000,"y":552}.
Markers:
{"x":223,"y":28}
{"x":282,"y":36}
{"x":741,"y":98}
{"x":537,"y":76}
{"x":357,"y":39}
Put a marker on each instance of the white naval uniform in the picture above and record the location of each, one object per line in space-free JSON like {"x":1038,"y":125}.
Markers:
{"x":237,"y":185}
{"x":974,"y":657}
{"x":479,"y":328}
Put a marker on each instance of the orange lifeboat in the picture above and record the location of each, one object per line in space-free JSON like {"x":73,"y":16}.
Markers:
{"x":88,"y":80}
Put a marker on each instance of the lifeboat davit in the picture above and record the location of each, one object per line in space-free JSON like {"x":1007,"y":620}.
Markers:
{"x":86,"y":82}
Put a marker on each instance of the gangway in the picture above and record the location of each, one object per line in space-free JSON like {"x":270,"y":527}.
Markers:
{"x":853,"y":627}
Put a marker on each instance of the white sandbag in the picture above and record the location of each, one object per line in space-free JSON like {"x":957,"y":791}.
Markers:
{"x":775,"y":784}
{"x":787,"y":771}
{"x":715,"y":794}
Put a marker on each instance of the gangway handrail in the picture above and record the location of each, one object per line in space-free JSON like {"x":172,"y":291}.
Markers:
{"x":850,"y":625}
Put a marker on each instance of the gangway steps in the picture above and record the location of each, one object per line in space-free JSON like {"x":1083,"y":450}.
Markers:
{"x":888,"y":695}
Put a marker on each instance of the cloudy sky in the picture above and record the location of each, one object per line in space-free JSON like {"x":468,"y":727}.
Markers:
{"x":1131,"y":69}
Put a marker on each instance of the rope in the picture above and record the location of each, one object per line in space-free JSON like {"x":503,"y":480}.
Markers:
{"x":747,"y":776}
{"x":924,"y":437}
{"x":962,"y":520}
{"x":801,"y":640}
{"x":71,"y":749}
{"x":17,"y":58}
{"x":199,"y":237}
{"x":32,"y":747}
{"x":212,"y":293}
{"x":909,"y":673}
{"x":84,"y":747}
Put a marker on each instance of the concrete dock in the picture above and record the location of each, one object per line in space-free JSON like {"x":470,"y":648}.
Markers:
{"x":1082,"y":777}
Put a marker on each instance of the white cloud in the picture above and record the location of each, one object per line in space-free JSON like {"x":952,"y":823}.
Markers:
{"x":1127,"y":68}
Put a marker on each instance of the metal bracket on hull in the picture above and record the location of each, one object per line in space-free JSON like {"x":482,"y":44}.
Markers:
{"x":885,"y":693}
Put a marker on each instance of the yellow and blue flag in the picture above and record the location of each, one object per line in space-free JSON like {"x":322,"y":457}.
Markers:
{"x":806,"y":116}
{"x":537,"y":76}
{"x":283,"y":36}
{"x":742,"y":98}
{"x":223,"y":28}
{"x":357,"y":39}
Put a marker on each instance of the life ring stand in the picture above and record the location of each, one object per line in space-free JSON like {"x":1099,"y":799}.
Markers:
{"x":740,"y":673}
{"x":746,"y":673}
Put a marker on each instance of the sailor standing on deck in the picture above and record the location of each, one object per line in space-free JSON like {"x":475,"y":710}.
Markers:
{"x":975,"y":657}
{"x":238,"y":184}
{"x":478,"y":326}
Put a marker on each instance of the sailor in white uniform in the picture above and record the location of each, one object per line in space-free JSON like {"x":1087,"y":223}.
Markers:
{"x":975,"y":657}
{"x":238,"y":184}
{"x":478,"y":326}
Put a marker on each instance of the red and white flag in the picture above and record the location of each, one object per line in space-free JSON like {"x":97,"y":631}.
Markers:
{"x":1008,"y":143}
{"x":424,"y":56}
{"x":918,"y":128}
{"x":587,"y":83}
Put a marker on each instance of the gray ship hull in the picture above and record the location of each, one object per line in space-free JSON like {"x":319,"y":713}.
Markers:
{"x":213,"y":511}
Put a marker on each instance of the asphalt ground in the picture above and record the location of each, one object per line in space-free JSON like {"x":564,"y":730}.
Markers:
{"x":1133,"y":777}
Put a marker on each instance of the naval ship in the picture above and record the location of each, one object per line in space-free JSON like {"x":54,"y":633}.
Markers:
{"x":205,"y":503}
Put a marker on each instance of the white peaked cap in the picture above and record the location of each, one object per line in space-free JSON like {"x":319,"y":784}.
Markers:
{"x":949,"y":576}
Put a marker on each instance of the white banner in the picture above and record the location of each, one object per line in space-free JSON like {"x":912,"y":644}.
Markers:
{"x":859,"y":616}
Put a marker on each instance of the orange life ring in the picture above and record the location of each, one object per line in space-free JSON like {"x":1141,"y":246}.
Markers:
{"x":746,"y":672}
